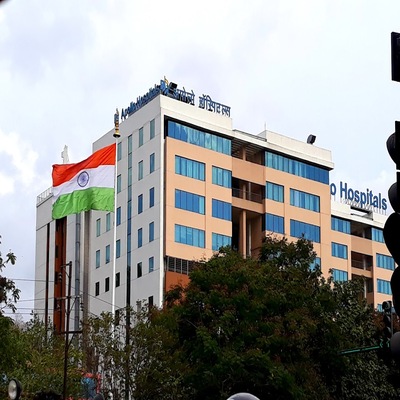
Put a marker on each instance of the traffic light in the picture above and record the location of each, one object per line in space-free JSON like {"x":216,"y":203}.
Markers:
{"x":395,"y":41}
{"x":387,"y":320}
{"x":391,"y":230}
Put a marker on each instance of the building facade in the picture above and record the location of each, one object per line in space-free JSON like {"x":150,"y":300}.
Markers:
{"x":188,"y":183}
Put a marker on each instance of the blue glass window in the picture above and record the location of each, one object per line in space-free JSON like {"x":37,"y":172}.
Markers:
{"x":118,"y":183}
{"x":140,"y":237}
{"x":152,"y":162}
{"x":189,"y":201}
{"x":304,"y":200}
{"x":221,"y":177}
{"x":108,"y":254}
{"x":274,"y":192}
{"x":308,"y":231}
{"x":383,"y":261}
{"x":118,"y":248}
{"x":152,"y":129}
{"x":97,"y":258}
{"x":118,"y":216}
{"x":139,"y":269}
{"x":221,"y":209}
{"x":316,"y":262}
{"x":274,"y":223}
{"x":384,"y":287}
{"x":339,"y":250}
{"x":219,"y":241}
{"x":140,"y":170}
{"x":140,"y":137}
{"x":151,"y":264}
{"x":190,"y":168}
{"x":151,"y":197}
{"x":339,"y":275}
{"x":340,"y":225}
{"x":129,"y":144}
{"x":190,"y":236}
{"x":297,"y":168}
{"x":377,"y":235}
{"x":108,"y":222}
{"x":140,"y":204}
{"x":199,"y":138}
{"x":151,"y":231}
{"x":98,"y":227}
{"x":119,"y":151}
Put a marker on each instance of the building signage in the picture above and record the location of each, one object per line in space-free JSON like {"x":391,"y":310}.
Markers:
{"x":365,"y":200}
{"x":170,"y":89}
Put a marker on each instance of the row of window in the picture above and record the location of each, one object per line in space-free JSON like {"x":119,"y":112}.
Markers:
{"x":298,"y":168}
{"x":198,"y":137}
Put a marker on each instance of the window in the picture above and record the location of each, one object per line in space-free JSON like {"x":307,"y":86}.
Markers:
{"x":129,"y":144}
{"x":190,"y":168}
{"x":151,"y":197}
{"x":340,"y":225}
{"x":152,"y":162}
{"x":189,"y":201}
{"x":118,"y":217}
{"x":221,"y":177}
{"x":108,"y":222}
{"x":274,"y":192}
{"x":151,"y":301}
{"x":119,"y":151}
{"x":377,"y":235}
{"x":107,"y":284}
{"x":98,"y":227}
{"x":383,"y":261}
{"x":140,"y":237}
{"x":315,"y":263}
{"x":140,"y":204}
{"x":129,"y":175}
{"x":140,"y":170}
{"x":118,"y":183}
{"x":308,"y":231}
{"x":108,"y":254}
{"x":304,"y":200}
{"x":384,"y":287}
{"x":141,"y":137}
{"x":219,"y":241}
{"x":151,"y":231}
{"x":339,"y":276}
{"x":97,"y":289}
{"x":274,"y":223}
{"x":339,"y":250}
{"x":190,"y":236}
{"x":117,"y":279}
{"x":299,"y":168}
{"x":152,"y":128}
{"x":97,"y":258}
{"x":199,"y":138}
{"x":221,"y":209}
{"x":151,"y":264}
{"x":139,"y":270}
{"x":118,"y":248}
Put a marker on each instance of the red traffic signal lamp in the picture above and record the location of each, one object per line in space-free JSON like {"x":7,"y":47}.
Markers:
{"x":391,"y":230}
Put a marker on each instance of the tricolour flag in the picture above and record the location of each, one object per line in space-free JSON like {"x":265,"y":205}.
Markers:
{"x":87,"y":185}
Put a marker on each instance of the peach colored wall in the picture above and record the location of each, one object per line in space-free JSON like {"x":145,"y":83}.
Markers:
{"x":207,"y":189}
{"x":174,"y":278}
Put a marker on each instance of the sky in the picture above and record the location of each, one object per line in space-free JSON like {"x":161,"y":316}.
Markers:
{"x":295,"y":67}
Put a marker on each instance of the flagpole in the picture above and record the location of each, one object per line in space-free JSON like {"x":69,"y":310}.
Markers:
{"x":116,"y":136}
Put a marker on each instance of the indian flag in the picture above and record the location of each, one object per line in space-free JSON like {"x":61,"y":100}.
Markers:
{"x":87,"y":185}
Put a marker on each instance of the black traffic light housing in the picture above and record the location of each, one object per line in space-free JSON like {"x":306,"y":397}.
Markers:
{"x":395,"y":42}
{"x":391,"y":230}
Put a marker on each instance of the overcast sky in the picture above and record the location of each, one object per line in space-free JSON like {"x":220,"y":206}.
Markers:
{"x":295,"y":66}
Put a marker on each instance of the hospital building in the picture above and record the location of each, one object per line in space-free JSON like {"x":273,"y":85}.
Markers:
{"x":187,"y":183}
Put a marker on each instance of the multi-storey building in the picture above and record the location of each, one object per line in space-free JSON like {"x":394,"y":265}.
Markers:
{"x":188,"y":183}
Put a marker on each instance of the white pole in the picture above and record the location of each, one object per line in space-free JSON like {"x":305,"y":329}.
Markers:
{"x":116,"y":136}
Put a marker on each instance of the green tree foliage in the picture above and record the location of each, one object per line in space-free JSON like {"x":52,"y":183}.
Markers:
{"x":271,"y":327}
{"x":9,"y":293}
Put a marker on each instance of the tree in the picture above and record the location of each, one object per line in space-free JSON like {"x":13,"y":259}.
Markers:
{"x":9,"y":293}
{"x":272,"y":327}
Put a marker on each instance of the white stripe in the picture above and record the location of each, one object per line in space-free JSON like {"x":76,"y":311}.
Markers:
{"x":102,"y":177}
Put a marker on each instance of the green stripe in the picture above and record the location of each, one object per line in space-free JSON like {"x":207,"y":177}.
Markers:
{"x":84,"y":200}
